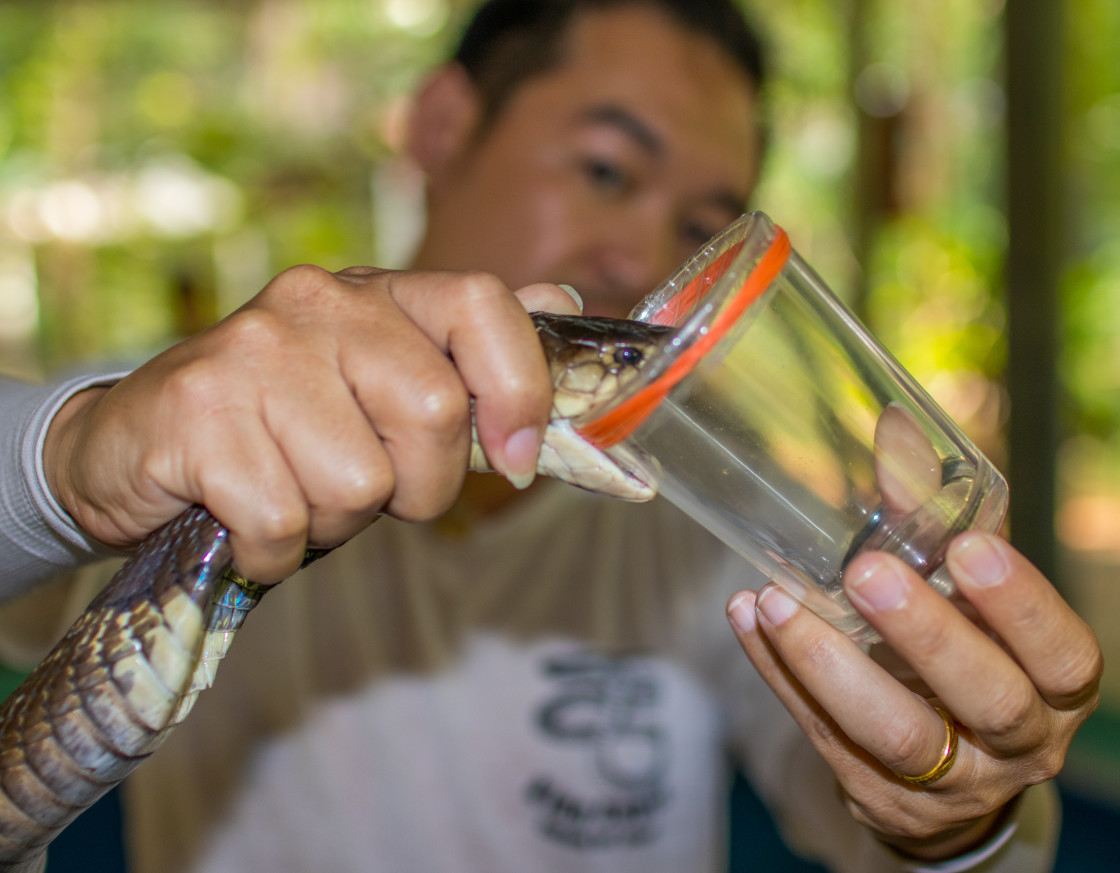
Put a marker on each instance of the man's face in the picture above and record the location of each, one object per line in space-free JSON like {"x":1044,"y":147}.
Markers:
{"x":605,"y":172}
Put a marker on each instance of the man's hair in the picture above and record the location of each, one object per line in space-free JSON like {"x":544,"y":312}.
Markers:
{"x":510,"y":41}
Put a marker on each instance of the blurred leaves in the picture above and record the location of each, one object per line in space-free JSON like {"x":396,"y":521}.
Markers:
{"x":158,"y":162}
{"x":144,"y":148}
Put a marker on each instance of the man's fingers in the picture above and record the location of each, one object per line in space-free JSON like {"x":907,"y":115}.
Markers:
{"x":869,"y":706}
{"x":489,"y":336}
{"x":958,"y":661}
{"x":343,"y":471}
{"x":545,"y":297}
{"x":322,"y":401}
{"x":250,"y":489}
{"x":421,"y":419}
{"x":1053,"y":645}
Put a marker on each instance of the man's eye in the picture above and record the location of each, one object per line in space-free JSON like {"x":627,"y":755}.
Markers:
{"x":697,"y":233}
{"x":606,"y":176}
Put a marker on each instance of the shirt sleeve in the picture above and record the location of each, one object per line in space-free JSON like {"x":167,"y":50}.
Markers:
{"x":38,"y":539}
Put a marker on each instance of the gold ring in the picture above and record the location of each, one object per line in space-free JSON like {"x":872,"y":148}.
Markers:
{"x":948,"y":754}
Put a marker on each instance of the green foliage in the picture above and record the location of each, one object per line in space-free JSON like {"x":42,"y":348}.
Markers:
{"x":1091,"y":295}
{"x":139,"y":141}
{"x":274,"y":117}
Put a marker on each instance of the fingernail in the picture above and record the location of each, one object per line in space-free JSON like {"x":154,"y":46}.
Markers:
{"x":574,"y":294}
{"x":976,"y":556}
{"x":521,"y":457}
{"x":879,"y":587}
{"x":776,"y":605}
{"x":740,"y":612}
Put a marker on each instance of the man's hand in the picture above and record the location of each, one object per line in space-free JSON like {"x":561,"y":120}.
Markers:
{"x":1010,"y":665}
{"x":1015,"y":668}
{"x":328,"y":398}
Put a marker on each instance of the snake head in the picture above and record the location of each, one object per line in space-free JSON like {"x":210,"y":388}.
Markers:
{"x":592,"y":359}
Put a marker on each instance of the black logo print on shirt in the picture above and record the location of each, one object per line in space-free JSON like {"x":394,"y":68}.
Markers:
{"x":608,"y":708}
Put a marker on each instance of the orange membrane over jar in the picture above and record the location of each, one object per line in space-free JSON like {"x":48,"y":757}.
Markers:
{"x":776,"y":421}
{"x":619,"y":422}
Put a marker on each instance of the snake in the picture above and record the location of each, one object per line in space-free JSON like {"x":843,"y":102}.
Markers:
{"x":132,"y":665}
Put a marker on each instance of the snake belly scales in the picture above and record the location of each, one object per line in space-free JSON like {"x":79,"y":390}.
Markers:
{"x":132,"y":665}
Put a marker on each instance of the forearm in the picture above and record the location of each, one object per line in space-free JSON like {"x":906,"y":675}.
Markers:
{"x":38,"y":539}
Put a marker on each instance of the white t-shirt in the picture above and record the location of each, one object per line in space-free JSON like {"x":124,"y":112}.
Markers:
{"x":530,"y":697}
{"x":557,"y":690}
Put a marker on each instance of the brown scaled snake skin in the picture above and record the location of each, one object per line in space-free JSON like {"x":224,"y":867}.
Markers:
{"x":132,"y":665}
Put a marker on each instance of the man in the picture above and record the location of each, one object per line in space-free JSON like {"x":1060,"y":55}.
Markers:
{"x":541,"y":679}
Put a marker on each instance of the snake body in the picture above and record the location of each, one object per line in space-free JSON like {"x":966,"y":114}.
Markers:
{"x":132,"y":665}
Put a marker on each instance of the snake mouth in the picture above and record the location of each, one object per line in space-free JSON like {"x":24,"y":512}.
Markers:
{"x":568,"y":456}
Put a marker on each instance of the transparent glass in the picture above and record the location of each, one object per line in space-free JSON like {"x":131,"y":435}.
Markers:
{"x":779,"y":423}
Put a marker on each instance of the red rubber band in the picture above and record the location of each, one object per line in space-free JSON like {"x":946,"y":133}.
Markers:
{"x":618,"y":423}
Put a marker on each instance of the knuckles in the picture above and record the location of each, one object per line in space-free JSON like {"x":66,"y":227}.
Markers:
{"x":442,"y":409}
{"x":907,"y":746}
{"x":254,"y":331}
{"x":302,"y":283}
{"x":281,"y":522}
{"x":1046,"y":766}
{"x":1012,"y":708}
{"x":1078,"y":684}
{"x":366,"y":488}
{"x":421,"y":501}
{"x":309,"y":294}
{"x":199,"y":384}
{"x":481,"y":290}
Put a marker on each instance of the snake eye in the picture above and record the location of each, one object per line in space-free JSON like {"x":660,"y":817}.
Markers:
{"x":628,"y":356}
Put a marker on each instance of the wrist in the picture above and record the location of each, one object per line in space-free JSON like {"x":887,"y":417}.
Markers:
{"x":971,"y":842}
{"x":59,"y":446}
{"x":950,"y":843}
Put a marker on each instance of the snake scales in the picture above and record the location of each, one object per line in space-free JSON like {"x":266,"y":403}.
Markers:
{"x":132,"y":665}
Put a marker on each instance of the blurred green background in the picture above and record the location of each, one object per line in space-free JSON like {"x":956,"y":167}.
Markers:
{"x":160,"y":161}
